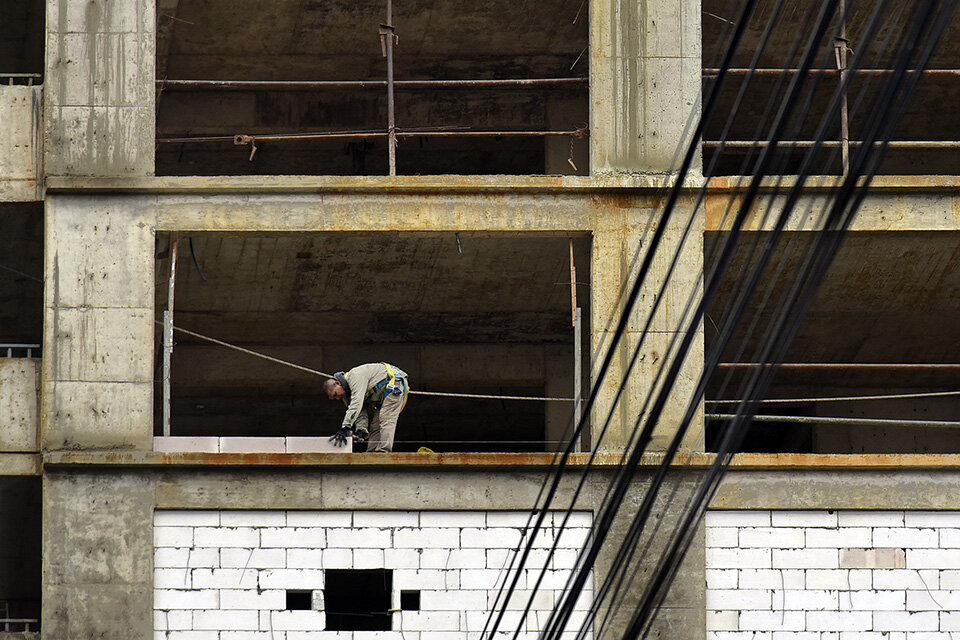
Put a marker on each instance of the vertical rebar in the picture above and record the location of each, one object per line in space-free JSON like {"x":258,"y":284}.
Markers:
{"x":577,"y":373}
{"x":391,"y":121}
{"x":168,"y":330}
{"x":841,"y":53}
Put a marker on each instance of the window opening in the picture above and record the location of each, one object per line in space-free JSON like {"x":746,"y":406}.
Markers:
{"x":299,"y":600}
{"x":358,"y":600}
{"x":410,"y":600}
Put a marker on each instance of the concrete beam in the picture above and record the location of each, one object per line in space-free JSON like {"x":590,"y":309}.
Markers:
{"x":20,"y":464}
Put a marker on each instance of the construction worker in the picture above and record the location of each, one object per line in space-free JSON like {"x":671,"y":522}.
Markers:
{"x":375,"y":394}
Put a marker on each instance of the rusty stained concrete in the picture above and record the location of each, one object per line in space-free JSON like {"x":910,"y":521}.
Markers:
{"x":21,"y":143}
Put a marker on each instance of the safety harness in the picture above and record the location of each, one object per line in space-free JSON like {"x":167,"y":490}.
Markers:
{"x":394,"y":384}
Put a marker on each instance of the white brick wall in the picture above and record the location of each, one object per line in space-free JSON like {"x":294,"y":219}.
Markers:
{"x":223,"y":575}
{"x":831,"y":575}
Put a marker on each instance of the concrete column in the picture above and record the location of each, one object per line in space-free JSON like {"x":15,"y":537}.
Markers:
{"x":644,"y":82}
{"x":615,"y":243}
{"x":99,"y":87}
{"x":18,"y":404}
{"x":98,"y":323}
{"x":21,"y":145}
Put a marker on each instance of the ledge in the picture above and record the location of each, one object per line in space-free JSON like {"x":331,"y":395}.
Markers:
{"x":741,"y":462}
{"x":20,"y":464}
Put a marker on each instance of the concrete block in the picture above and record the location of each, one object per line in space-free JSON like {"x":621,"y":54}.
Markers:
{"x":338,"y":558}
{"x":906,"y":621}
{"x":907,"y":538}
{"x":722,"y":536}
{"x":311,"y":444}
{"x":770,"y":579}
{"x":737,"y":519}
{"x":253,"y":518}
{"x":186,"y":444}
{"x":870,"y":518}
{"x":402,"y":558}
{"x":837,"y":538}
{"x":291,"y":579}
{"x":367,"y":558}
{"x":453,"y":519}
{"x":739,"y":558}
{"x":771,"y":537}
{"x":172,"y":537}
{"x":483,"y":579}
{"x":420,"y":579}
{"x":804,"y":518}
{"x":949,"y":538}
{"x":470,"y":559}
{"x":522,"y":598}
{"x":178,"y":518}
{"x":290,"y":537}
{"x":934,"y":600}
{"x":459,"y":600}
{"x":872,"y":558}
{"x":298,"y":620}
{"x":253,"y":599}
{"x":950,"y":621}
{"x":313,"y":559}
{"x":185,"y":599}
{"x":18,"y":403}
{"x":431,"y":621}
{"x":168,"y":557}
{"x":386,"y":519}
{"x":773,"y":621}
{"x":721,"y":579}
{"x":319,"y":518}
{"x":224,"y":578}
{"x":359,"y":538}
{"x":517,"y":519}
{"x":172,"y":620}
{"x":229,"y":444}
{"x":806,"y":558}
{"x":500,"y":537}
{"x":842,"y":579}
{"x":932,"y":519}
{"x":227,"y":536}
{"x":217,"y":620}
{"x":903,"y":579}
{"x":235,"y":558}
{"x":172,"y":579}
{"x":427,"y":538}
{"x":839,"y":621}
{"x":738,"y":599}
{"x":723,"y":621}
{"x":808,"y":600}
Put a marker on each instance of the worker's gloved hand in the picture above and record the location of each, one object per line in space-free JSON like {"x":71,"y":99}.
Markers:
{"x":339,"y":439}
{"x":361,"y":435}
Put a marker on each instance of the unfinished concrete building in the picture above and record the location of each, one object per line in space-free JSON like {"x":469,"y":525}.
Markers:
{"x":245,"y":171}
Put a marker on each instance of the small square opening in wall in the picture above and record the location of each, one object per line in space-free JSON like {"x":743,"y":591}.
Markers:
{"x":358,"y":600}
{"x":410,"y":600}
{"x":299,"y":600}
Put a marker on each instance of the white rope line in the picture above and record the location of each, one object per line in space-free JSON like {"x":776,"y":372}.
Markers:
{"x":892,"y":396}
{"x":478,"y":396}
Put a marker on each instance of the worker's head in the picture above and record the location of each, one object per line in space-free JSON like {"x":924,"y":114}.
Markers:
{"x":334,"y":390}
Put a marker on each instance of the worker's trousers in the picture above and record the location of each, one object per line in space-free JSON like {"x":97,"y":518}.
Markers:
{"x":383,"y":425}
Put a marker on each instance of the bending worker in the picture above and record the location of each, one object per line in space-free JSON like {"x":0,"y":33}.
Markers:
{"x":375,"y":394}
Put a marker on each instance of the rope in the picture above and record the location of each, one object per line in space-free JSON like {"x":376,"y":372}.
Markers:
{"x":444,"y":394}
{"x":893,"y":396}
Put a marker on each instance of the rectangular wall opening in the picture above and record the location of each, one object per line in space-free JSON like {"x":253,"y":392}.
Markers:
{"x":874,"y":365}
{"x":21,"y":279}
{"x":460,"y":313}
{"x":478,"y":89}
{"x":21,"y":42}
{"x":358,"y":599}
{"x":20,"y":553}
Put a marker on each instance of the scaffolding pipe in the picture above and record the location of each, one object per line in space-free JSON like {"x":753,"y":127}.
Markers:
{"x":865,"y":72}
{"x":168,"y":330}
{"x":840,"y":49}
{"x":391,"y":118}
{"x":862,"y":422}
{"x":802,"y":144}
{"x":313,"y":85}
{"x":890,"y":366}
{"x":379,"y":133}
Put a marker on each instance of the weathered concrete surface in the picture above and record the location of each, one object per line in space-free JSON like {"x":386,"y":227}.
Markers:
{"x":20,"y":464}
{"x":98,"y":321}
{"x":97,"y":556}
{"x":99,"y":102}
{"x":21,"y":143}
{"x":19,"y":387}
{"x":644,"y":83}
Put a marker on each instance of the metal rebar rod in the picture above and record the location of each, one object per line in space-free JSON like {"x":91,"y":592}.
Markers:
{"x":168,"y":330}
{"x":864,"y":422}
{"x":879,"y":396}
{"x":866,"y":72}
{"x":391,"y":118}
{"x":399,"y":133}
{"x":892,"y":366}
{"x":802,"y":144}
{"x":314,"y":85}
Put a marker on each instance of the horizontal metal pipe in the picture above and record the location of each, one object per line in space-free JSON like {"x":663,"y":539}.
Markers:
{"x":247,"y":139}
{"x":892,"y":366}
{"x":786,"y":144}
{"x":865,"y":72}
{"x":879,"y":396}
{"x":314,"y":85}
{"x":863,"y":422}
